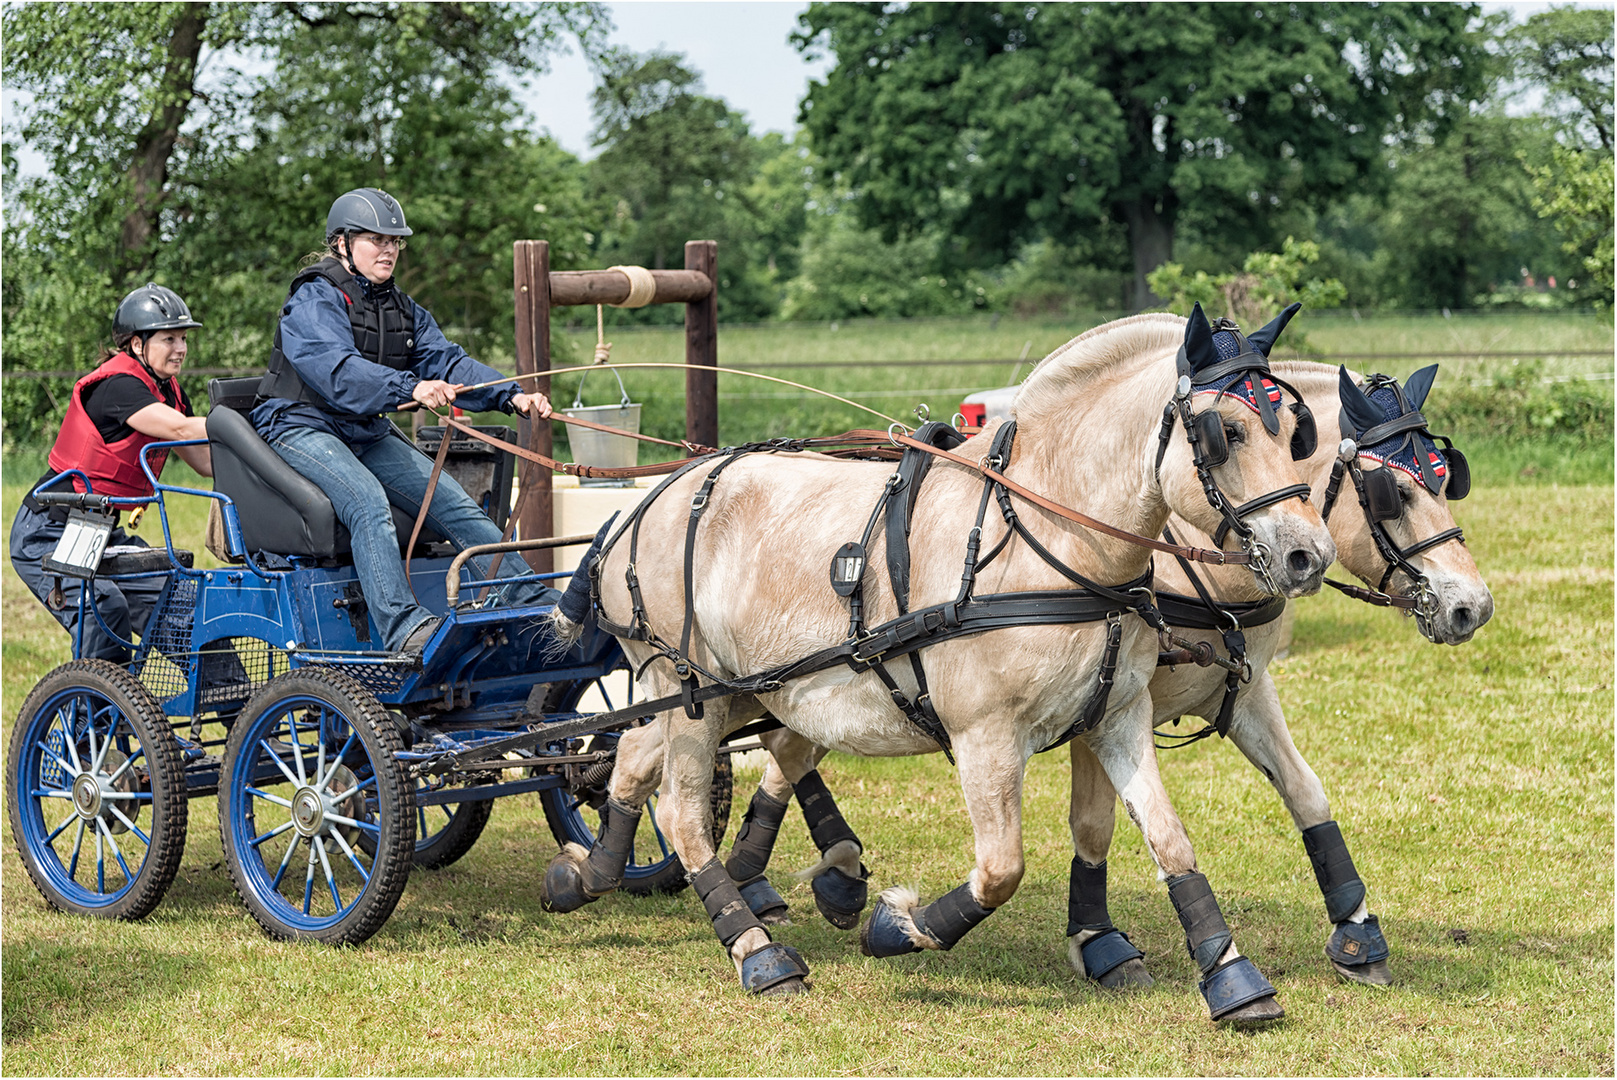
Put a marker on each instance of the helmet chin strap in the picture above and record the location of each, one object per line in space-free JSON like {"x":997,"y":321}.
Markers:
{"x":347,"y":257}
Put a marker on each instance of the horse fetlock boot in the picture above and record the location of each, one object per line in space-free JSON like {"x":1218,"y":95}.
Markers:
{"x":825,"y":822}
{"x":749,"y":855}
{"x":1098,"y":949}
{"x":562,"y":888}
{"x":841,"y":898}
{"x":898,"y":925}
{"x":765,"y":902}
{"x":1234,"y":989}
{"x":1359,"y":953}
{"x":774,"y":970}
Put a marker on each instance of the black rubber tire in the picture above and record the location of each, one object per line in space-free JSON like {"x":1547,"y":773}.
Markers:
{"x":567,"y":826}
{"x":394,"y":812}
{"x":439,"y":849}
{"x":142,"y":720}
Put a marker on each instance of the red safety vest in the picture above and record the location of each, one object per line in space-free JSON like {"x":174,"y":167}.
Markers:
{"x":113,"y":468}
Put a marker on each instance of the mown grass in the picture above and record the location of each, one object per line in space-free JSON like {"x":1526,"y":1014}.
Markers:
{"x":1474,"y":786}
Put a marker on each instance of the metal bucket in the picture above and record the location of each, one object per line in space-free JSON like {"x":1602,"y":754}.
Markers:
{"x":597,"y":447}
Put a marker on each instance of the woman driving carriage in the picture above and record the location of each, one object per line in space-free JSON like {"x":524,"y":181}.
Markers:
{"x":351,"y":347}
{"x":131,"y":399}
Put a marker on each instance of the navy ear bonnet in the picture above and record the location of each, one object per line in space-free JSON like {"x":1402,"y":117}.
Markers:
{"x":1221,"y":360}
{"x":1385,"y":420}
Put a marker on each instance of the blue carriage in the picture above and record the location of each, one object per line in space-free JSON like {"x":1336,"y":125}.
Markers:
{"x":338,"y":766}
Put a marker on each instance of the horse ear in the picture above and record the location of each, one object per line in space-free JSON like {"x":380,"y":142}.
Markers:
{"x":1363,"y":413}
{"x":1418,"y":385}
{"x":1199,"y":348}
{"x":1264,"y":339}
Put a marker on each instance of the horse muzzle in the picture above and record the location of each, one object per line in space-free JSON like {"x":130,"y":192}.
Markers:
{"x":1293,"y":563}
{"x":1462,"y":608}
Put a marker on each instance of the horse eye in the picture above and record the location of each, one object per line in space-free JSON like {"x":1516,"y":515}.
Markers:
{"x":1234,"y":433}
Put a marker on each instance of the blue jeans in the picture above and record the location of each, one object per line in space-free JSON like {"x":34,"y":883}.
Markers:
{"x":361,"y":481}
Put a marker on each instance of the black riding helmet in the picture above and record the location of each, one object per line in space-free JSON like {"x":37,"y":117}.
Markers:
{"x":366,"y":210}
{"x":147,"y":310}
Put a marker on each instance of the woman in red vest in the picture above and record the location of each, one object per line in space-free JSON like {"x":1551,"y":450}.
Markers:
{"x":131,"y":400}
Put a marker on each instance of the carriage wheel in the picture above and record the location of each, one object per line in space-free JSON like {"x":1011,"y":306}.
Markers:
{"x":310,"y":767}
{"x":96,"y":792}
{"x":574,"y":815}
{"x":446,"y":831}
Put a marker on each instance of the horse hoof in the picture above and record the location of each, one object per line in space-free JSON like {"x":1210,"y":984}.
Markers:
{"x":840,"y":898}
{"x":562,"y":889}
{"x":891,"y":929}
{"x":1375,"y":974}
{"x":1130,"y":975}
{"x":1262,"y":1011}
{"x":774,"y":970}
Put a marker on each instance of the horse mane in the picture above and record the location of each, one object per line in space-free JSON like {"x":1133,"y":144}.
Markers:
{"x":1094,"y":352}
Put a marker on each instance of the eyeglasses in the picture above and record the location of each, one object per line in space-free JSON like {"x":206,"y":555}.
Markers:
{"x":398,"y":243}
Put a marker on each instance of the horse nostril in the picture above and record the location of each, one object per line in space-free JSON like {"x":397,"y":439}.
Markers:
{"x":1302,"y":563}
{"x":1461,"y":620}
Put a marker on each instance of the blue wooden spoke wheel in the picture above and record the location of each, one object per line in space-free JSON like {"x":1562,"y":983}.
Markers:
{"x":310,"y":769}
{"x":574,"y":812}
{"x":96,"y":792}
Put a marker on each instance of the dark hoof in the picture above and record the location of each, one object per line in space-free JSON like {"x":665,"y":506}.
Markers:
{"x":840,"y":898}
{"x":887,"y":932}
{"x":774,"y":970}
{"x":766,"y":903}
{"x":1130,"y":975}
{"x":562,"y":889}
{"x":1262,"y":1011}
{"x":1375,"y":974}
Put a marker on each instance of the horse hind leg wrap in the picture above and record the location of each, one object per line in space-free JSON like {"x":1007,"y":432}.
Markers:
{"x":603,"y":870}
{"x":749,"y":855}
{"x":839,"y":896}
{"x":1227,"y":986}
{"x":947,"y":918}
{"x":897,"y":926}
{"x":825,"y":821}
{"x":1334,"y":870}
{"x":724,"y":903}
{"x":1110,"y":948}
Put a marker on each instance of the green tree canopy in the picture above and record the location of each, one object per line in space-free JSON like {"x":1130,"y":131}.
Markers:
{"x":1002,"y":122}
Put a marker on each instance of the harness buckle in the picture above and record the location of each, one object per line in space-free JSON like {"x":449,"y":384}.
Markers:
{"x":699,"y":501}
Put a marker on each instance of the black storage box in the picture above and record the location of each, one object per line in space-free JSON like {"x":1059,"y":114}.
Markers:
{"x":483,"y":471}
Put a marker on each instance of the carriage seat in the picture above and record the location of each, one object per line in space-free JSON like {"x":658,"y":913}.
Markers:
{"x":281,"y":511}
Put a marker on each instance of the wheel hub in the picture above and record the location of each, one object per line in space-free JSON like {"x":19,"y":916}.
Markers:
{"x":308,"y":812}
{"x":86,"y":796}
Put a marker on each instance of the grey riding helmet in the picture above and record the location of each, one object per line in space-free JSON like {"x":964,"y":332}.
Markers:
{"x":147,"y":310}
{"x":366,"y":210}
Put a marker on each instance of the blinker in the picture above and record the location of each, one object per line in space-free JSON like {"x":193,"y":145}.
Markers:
{"x":1459,"y":473}
{"x":1305,"y":437}
{"x":1210,"y":440}
{"x":1381,"y":498}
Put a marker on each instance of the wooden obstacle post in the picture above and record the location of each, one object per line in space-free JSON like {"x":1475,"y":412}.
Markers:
{"x":537,"y":289}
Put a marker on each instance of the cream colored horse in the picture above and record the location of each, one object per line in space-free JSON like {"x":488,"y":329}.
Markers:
{"x":1087,"y":437}
{"x":1356,"y":948}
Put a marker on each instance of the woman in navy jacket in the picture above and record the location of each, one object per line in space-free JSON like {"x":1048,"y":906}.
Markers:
{"x":350,"y":348}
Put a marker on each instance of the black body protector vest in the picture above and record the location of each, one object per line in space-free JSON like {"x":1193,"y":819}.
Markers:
{"x":384,"y":331}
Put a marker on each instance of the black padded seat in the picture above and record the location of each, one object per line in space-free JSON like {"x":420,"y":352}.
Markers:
{"x":281,"y":511}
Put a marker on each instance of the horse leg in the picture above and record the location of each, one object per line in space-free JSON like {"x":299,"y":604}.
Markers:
{"x":1233,"y":987}
{"x":991,"y":777}
{"x":1356,"y":948}
{"x":755,"y":840}
{"x":579,"y":876}
{"x":765,"y":966}
{"x":1095,"y":947}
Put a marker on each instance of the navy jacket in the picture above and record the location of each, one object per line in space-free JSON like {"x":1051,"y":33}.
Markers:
{"x":319,"y":343}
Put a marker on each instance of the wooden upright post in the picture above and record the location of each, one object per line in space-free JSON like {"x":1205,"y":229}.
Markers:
{"x":702,"y":347}
{"x":532,"y":292}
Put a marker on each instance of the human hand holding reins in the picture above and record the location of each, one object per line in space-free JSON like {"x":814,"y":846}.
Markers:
{"x":434,"y":393}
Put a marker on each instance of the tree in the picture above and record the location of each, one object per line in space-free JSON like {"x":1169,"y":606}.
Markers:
{"x":1567,"y":53}
{"x":190,"y":170}
{"x":999,"y":123}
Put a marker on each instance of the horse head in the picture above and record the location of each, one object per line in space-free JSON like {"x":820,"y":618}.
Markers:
{"x":1233,"y":473}
{"x":1402,"y":533}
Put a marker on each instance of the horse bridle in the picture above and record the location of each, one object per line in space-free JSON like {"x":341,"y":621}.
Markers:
{"x":1381,"y":502}
{"x":1210,"y":448}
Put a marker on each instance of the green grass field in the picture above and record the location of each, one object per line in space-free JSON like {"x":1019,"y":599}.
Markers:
{"x":1474,"y":785}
